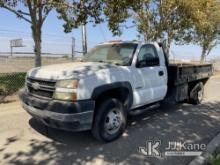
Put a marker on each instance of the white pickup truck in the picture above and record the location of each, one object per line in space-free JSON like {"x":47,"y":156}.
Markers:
{"x":113,"y":80}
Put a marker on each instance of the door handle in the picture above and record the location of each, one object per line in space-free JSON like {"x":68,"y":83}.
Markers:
{"x":161,"y":73}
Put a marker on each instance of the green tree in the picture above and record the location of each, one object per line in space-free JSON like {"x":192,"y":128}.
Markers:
{"x":182,"y":21}
{"x":80,"y":12}
{"x":74,"y":13}
{"x":207,"y":23}
{"x":114,"y":12}
{"x":35,"y":12}
{"x":164,"y":19}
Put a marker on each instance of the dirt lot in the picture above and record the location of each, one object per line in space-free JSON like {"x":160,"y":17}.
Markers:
{"x":23,"y":64}
{"x":25,"y":141}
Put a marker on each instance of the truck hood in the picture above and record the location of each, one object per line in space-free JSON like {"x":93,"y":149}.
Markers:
{"x":68,"y":70}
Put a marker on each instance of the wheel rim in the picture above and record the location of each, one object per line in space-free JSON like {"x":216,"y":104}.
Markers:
{"x":113,"y":121}
{"x":200,"y":95}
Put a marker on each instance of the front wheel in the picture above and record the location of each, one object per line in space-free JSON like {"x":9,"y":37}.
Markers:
{"x":110,"y":120}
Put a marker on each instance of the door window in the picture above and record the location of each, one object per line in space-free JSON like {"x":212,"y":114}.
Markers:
{"x":147,"y":56}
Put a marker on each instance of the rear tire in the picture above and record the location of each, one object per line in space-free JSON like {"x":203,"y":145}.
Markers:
{"x":110,"y":120}
{"x":197,"y":94}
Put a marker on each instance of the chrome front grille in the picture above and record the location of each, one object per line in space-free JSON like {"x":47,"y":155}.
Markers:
{"x":41,"y":88}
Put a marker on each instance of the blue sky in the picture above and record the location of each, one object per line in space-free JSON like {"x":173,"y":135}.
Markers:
{"x":56,"y":41}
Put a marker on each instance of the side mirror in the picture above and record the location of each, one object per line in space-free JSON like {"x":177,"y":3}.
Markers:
{"x":149,"y":62}
{"x":155,"y":61}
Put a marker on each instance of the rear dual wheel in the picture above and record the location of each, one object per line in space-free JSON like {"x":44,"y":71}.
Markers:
{"x":197,"y":94}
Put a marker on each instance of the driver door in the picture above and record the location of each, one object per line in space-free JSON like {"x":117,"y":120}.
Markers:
{"x":151,"y":73}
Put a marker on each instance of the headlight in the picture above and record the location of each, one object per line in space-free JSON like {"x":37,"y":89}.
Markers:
{"x":70,"y":84}
{"x":66,"y":90}
{"x":65,"y":96}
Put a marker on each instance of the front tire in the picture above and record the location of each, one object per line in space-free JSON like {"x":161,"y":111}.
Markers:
{"x":110,"y":120}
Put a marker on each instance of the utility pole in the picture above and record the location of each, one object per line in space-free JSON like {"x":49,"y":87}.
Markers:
{"x":84,"y":39}
{"x":73,"y":47}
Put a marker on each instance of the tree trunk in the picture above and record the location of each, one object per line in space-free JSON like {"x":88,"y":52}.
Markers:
{"x":168,"y":45}
{"x":36,"y":31}
{"x":202,"y":59}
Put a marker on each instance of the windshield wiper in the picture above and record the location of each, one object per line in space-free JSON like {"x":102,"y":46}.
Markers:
{"x":108,"y":62}
{"x":118,"y":64}
{"x":102,"y":61}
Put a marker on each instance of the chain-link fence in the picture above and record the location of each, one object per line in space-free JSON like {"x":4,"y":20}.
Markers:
{"x":16,"y":61}
{"x":14,"y":69}
{"x":11,"y":82}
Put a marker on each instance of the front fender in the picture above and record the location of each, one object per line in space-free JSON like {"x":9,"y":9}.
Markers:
{"x":107,"y":87}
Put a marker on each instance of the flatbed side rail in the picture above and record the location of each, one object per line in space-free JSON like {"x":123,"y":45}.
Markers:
{"x":180,"y":74}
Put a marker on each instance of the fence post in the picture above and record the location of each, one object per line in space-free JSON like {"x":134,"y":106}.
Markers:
{"x":11,"y":47}
{"x":73,"y":47}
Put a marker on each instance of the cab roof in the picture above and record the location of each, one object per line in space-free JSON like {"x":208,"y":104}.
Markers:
{"x":119,"y":42}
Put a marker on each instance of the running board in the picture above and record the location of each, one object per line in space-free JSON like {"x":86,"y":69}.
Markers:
{"x":143,"y":109}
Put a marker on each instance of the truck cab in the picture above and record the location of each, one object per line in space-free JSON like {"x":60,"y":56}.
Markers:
{"x":111,"y":81}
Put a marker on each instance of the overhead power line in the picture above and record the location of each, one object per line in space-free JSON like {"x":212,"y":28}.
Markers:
{"x":27,"y":33}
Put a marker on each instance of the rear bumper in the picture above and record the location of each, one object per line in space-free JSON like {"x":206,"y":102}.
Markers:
{"x":71,"y":116}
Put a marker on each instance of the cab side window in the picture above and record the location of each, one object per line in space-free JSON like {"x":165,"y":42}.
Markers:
{"x":148,"y":57}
